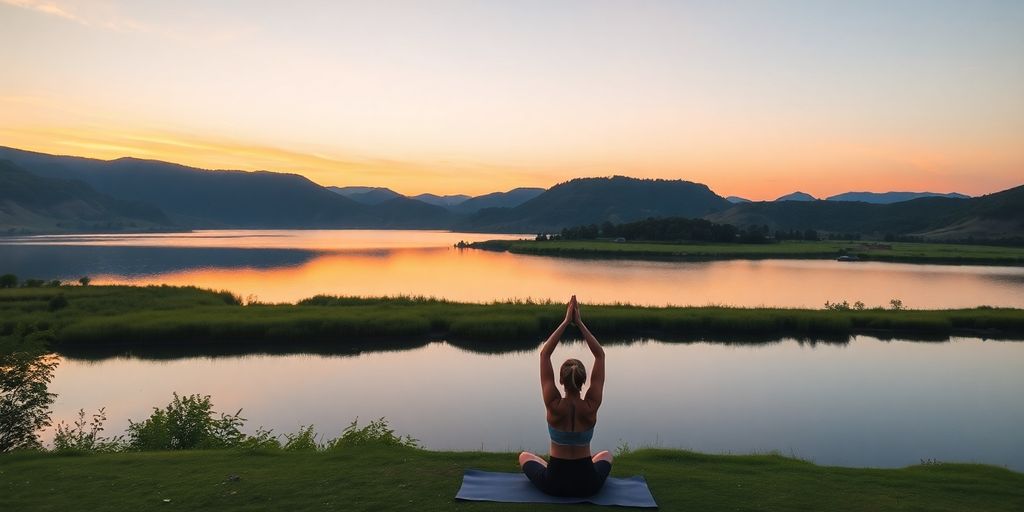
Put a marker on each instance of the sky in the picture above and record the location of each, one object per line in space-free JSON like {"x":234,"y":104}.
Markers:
{"x":756,"y":98}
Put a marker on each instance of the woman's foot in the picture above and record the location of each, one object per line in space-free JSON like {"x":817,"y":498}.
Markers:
{"x":527,"y":457}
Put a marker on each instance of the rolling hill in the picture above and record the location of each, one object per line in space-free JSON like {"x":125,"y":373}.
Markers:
{"x":30,"y":203}
{"x":797,"y":196}
{"x":366,"y":195}
{"x":595,"y":200}
{"x":889,"y":197}
{"x":48,"y":193}
{"x":509,"y":199}
{"x":994,"y":216}
{"x":198,"y":198}
{"x":443,"y":201}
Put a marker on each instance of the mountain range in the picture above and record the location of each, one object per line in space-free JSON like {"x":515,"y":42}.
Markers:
{"x":48,"y":193}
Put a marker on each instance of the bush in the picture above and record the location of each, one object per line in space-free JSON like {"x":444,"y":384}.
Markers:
{"x":186,"y":423}
{"x":375,"y":433}
{"x":77,"y":438}
{"x":303,"y":440}
{"x":57,"y":302}
{"x":24,"y":398}
{"x":8,"y":281}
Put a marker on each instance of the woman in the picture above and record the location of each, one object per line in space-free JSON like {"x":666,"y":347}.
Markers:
{"x":571,"y":419}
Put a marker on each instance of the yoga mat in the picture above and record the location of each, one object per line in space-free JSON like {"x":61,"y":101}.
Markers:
{"x":516,"y":488}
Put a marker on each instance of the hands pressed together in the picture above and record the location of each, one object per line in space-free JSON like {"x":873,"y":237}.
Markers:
{"x":572,"y":313}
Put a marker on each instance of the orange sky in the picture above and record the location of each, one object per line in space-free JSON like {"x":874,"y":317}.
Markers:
{"x":751,"y":99}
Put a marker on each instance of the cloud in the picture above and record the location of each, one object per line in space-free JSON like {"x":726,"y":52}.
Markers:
{"x":104,"y":15}
{"x":63,"y":10}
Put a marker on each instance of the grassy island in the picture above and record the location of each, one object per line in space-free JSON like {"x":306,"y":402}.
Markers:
{"x":71,"y":318}
{"x":396,"y":478}
{"x":961,"y":254}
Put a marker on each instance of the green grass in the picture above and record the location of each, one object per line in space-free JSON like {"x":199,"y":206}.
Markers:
{"x":898,"y":251}
{"x":163,"y":315}
{"x":379,"y":478}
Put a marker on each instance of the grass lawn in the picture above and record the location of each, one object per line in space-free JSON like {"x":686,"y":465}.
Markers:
{"x":886,"y":251}
{"x":384,"y":478}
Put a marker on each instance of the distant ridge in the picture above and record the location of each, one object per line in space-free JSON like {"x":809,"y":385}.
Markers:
{"x":998,"y":216}
{"x":509,"y":199}
{"x":48,"y":193}
{"x":445,"y":201}
{"x":366,"y":195}
{"x":737,"y":199}
{"x":595,"y":200}
{"x":797,"y":196}
{"x":890,"y":197}
{"x":30,"y":203}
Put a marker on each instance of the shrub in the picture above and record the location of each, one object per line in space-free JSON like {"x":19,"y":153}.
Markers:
{"x":78,"y":438}
{"x":57,"y":302}
{"x":8,"y":281}
{"x":261,"y":440}
{"x":24,"y":398}
{"x":303,"y":440}
{"x":375,"y":433}
{"x":186,"y":423}
{"x":84,"y":280}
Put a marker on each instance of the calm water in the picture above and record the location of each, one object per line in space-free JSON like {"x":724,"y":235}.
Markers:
{"x":868,"y":403}
{"x":278,"y":266}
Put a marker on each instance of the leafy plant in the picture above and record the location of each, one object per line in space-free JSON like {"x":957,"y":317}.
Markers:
{"x":374,"y":433}
{"x":24,"y":398}
{"x":85,"y":435}
{"x":262,"y":440}
{"x":186,"y":423}
{"x":303,"y":440}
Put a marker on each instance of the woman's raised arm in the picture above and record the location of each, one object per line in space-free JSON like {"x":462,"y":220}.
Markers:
{"x":596,"y":391}
{"x":547,"y":373}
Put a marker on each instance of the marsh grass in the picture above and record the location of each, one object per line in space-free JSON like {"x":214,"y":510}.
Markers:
{"x":797,"y":249}
{"x":152,"y":315}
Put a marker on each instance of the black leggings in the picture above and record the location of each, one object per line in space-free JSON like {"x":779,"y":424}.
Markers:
{"x":568,"y":477}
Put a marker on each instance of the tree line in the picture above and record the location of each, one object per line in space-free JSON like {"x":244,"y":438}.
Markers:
{"x":671,"y":229}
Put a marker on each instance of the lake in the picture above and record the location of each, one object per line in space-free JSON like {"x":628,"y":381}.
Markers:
{"x":285,"y":266}
{"x":868,"y":402}
{"x":865,"y":403}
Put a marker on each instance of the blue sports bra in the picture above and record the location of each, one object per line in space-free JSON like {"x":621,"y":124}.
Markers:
{"x":571,"y":438}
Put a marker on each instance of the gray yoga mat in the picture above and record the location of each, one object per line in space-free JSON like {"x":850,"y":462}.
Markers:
{"x":516,"y":488}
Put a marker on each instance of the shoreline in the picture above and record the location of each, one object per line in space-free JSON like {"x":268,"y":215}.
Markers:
{"x":821,"y":250}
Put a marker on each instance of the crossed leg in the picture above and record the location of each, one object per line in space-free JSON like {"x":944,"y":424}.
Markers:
{"x":605,"y":456}
{"x":527,"y":457}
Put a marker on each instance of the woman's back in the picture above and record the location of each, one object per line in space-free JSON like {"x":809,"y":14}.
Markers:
{"x":571,"y":417}
{"x":572,"y":420}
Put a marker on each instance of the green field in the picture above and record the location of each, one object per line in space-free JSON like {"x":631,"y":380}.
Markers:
{"x":70,"y":318}
{"x":887,"y":251}
{"x":389,"y":478}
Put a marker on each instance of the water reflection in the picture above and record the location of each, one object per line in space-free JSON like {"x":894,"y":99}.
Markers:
{"x":286,"y":266}
{"x":866,"y":403}
{"x":142,"y":263}
{"x":160,"y":351}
